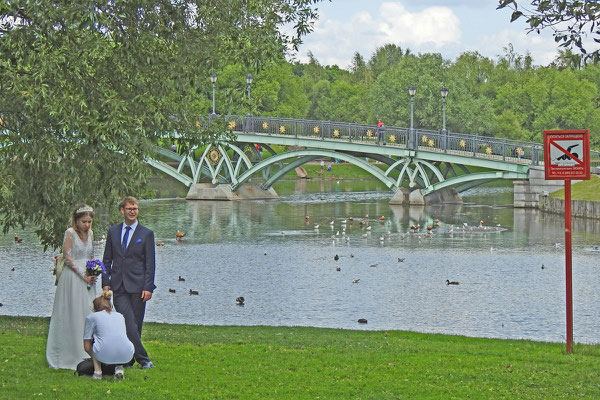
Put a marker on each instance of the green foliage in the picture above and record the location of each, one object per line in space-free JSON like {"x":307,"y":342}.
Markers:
{"x":508,"y":125}
{"x":344,"y":102}
{"x":549,"y":99}
{"x":361,"y":73}
{"x":279,"y":93}
{"x":258,"y":362}
{"x":87,"y":88}
{"x":386,"y":57}
{"x":389,"y":94}
{"x":316,"y":93}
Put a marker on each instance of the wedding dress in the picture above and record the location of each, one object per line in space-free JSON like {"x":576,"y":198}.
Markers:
{"x":72,"y":304}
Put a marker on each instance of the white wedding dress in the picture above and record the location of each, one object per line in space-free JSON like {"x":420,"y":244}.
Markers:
{"x":72,"y":304}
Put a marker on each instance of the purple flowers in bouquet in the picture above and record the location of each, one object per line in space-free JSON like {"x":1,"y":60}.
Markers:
{"x":94,"y":268}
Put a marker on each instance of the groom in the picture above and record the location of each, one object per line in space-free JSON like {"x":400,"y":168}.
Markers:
{"x":129,"y":262}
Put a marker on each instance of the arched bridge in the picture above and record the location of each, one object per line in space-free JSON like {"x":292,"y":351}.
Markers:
{"x":418,"y":165}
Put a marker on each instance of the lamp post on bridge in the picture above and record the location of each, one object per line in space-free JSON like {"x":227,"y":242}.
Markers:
{"x":444,"y":93}
{"x":412,"y":140}
{"x":213,"y":80}
{"x":248,"y":120}
{"x":248,"y":81}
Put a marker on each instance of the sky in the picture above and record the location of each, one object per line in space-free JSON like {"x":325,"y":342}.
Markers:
{"x":448,"y":27}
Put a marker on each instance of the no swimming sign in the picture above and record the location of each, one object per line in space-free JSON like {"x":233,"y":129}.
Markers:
{"x":566,"y":157}
{"x":567,"y":154}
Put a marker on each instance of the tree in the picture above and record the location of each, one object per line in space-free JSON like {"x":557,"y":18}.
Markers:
{"x":389,"y":94}
{"x":470,"y":107}
{"x":512,"y":60}
{"x":87,"y":87}
{"x":317,"y":93}
{"x":567,"y":59}
{"x":571,"y":20}
{"x":360,"y":70}
{"x":278,"y":92}
{"x":547,"y":99}
{"x":345,"y":102}
{"x":385,"y":57}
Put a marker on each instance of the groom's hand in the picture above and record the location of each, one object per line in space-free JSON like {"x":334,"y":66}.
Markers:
{"x":146,"y":295}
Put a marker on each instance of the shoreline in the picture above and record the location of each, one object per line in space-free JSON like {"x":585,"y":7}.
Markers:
{"x":341,"y":330}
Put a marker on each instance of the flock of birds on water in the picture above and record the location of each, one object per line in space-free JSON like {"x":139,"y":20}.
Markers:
{"x":364,"y":223}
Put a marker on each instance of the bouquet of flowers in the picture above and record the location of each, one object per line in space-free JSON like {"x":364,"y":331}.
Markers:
{"x":94,"y":268}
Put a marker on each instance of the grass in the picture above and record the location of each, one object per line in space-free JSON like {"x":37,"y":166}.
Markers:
{"x":353,"y":172}
{"x":160,"y":185}
{"x":338,"y":171}
{"x":215,"y":362}
{"x":583,"y":190}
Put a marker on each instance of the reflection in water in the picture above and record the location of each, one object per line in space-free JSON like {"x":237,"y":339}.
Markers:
{"x":267,"y":252}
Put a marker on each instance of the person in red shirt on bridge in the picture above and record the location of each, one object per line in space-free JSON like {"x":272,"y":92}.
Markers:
{"x":380,"y":134}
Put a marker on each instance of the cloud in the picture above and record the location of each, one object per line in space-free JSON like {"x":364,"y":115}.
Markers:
{"x":448,"y":27}
{"x":432,"y":25}
{"x":541,"y":47}
{"x":335,"y":42}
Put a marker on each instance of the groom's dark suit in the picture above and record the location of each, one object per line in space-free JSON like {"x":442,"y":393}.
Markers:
{"x":128,"y":274}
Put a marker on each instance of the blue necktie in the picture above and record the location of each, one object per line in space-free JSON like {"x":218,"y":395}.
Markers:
{"x":125,"y":237}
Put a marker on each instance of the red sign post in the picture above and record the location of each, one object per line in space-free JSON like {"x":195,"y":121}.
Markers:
{"x":566,"y":157}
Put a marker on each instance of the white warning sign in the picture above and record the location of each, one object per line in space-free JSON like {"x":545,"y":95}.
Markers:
{"x":566,"y":153}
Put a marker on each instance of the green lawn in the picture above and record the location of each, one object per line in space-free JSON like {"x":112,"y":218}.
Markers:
{"x":213,"y":362}
{"x":584,"y":190}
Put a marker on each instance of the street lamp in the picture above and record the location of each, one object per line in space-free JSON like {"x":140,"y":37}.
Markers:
{"x":444,"y":93}
{"x":248,"y":120}
{"x":213,"y":80}
{"x":248,"y":81}
{"x":411,"y":91}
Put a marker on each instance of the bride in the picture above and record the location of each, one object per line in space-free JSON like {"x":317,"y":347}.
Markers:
{"x":74,"y":296}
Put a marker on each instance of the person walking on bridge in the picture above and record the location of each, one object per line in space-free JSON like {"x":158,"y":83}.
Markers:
{"x":380,"y":132}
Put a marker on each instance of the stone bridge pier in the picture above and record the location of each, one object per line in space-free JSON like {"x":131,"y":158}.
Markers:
{"x":248,"y":191}
{"x":527,"y":193}
{"x":416,"y":197}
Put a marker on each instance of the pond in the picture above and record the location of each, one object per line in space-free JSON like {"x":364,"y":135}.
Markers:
{"x":511,"y":282}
